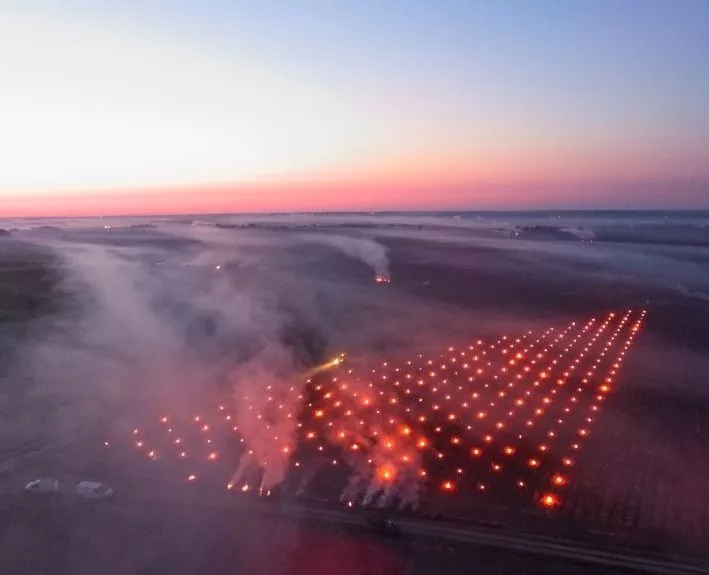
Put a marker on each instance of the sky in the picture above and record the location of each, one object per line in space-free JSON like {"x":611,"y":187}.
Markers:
{"x":212,"y":106}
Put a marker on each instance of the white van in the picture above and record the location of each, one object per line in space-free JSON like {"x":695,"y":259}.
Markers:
{"x":45,"y":485}
{"x":93,"y":490}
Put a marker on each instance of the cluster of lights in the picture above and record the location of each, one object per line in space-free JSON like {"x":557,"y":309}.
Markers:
{"x":479,"y":419}
{"x":173,"y":444}
{"x":597,"y":393}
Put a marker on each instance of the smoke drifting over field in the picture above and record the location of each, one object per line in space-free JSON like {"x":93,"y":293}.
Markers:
{"x":368,"y":251}
{"x":168,"y":316}
{"x":164,"y":316}
{"x":160,"y":329}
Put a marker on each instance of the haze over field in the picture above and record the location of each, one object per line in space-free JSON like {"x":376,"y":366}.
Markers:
{"x":160,"y":315}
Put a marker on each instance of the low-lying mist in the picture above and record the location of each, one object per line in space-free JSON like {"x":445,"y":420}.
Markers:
{"x":170,"y":315}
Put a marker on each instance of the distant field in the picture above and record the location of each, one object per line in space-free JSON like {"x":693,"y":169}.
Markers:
{"x":30,"y":295}
{"x":28,"y":282}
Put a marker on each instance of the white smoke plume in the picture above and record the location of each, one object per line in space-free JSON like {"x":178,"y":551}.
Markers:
{"x":168,"y":338}
{"x":366,"y":250}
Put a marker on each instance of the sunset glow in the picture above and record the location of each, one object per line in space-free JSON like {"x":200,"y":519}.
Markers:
{"x":105,"y":113}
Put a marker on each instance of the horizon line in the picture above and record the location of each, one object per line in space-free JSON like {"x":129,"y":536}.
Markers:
{"x":411,"y":212}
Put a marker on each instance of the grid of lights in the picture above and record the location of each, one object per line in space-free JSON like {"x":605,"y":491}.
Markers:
{"x":483,"y":420}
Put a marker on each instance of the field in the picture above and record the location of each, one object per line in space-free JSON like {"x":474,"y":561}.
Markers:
{"x":488,"y":385}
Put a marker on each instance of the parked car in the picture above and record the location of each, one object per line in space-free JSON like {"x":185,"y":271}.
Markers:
{"x":93,"y":490}
{"x":45,"y":485}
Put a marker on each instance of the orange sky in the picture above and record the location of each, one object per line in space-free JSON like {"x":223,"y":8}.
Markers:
{"x":363,"y":196}
{"x":106,"y":112}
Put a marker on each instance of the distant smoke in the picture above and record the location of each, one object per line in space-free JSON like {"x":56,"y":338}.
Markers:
{"x":579,"y":232}
{"x":366,"y":250}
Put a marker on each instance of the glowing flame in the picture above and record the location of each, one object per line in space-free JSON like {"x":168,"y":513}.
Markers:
{"x":550,"y":500}
{"x":558,"y":479}
{"x":386,"y":473}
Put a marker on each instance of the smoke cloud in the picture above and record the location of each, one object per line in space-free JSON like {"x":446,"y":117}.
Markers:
{"x":366,"y":250}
